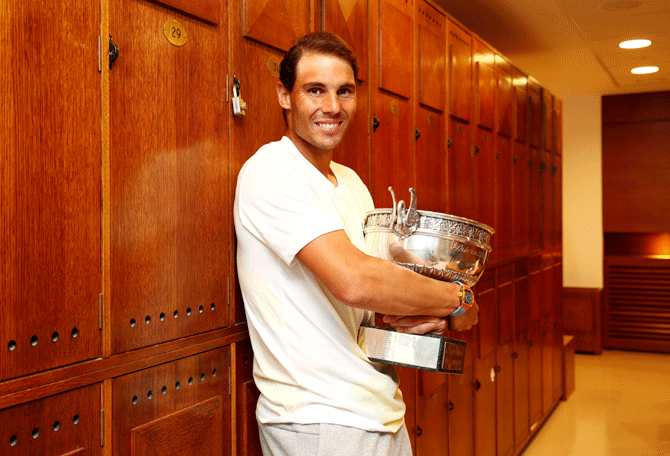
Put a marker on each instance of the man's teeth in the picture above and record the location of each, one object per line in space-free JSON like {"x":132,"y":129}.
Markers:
{"x":328,"y":126}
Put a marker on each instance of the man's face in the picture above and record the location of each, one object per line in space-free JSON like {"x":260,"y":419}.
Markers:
{"x":322,"y":103}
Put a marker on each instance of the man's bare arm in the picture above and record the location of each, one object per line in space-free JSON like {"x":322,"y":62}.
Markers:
{"x":366,"y":282}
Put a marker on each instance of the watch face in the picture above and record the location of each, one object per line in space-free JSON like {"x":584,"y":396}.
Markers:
{"x":468,"y":297}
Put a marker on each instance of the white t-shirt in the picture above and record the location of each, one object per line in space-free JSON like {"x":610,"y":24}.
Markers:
{"x":307,"y":363}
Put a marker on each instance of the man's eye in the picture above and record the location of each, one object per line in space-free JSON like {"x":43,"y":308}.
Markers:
{"x":315,"y":91}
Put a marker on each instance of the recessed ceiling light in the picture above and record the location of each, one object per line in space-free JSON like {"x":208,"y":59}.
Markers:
{"x":644,"y":70}
{"x":634,"y":44}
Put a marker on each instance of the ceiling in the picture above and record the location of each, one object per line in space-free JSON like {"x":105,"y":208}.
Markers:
{"x":571,"y":47}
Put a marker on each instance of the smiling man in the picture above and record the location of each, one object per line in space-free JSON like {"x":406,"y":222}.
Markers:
{"x":307,"y":284}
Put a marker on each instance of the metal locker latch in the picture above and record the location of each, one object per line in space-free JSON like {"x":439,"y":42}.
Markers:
{"x":239,"y":105}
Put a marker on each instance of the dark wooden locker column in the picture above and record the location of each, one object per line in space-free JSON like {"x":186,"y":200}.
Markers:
{"x":63,"y":424}
{"x":169,"y":174}
{"x":505,"y":397}
{"x":558,"y":175}
{"x":261,"y":32}
{"x":535,"y":161}
{"x":51,"y":185}
{"x":484,"y":350}
{"x":535,"y":285}
{"x":520,"y":355}
{"x":504,"y":216}
{"x":485,"y":138}
{"x":520,"y":163}
{"x":430,"y":136}
{"x":548,"y":175}
{"x":348,"y":20}
{"x":182,"y":407}
{"x":547,"y":334}
{"x":460,"y":162}
{"x":392,"y":152}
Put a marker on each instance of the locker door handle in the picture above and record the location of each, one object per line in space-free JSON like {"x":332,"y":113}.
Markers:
{"x":449,"y":142}
{"x":419,"y":431}
{"x":417,"y":133}
{"x":451,"y":406}
{"x":375,"y":123}
{"x":478,"y":385}
{"x":113,"y":52}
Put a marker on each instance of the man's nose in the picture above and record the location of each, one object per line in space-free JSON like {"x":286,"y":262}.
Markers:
{"x":331,"y":103}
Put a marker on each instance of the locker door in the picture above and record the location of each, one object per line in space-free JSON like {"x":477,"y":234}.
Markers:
{"x":169,"y":172}
{"x":392,"y":153}
{"x":179,"y":408}
{"x":461,"y":413}
{"x":50,"y":179}
{"x":348,"y":20}
{"x":431,"y":161}
{"x":505,"y":220}
{"x":261,"y":32}
{"x":64,"y":424}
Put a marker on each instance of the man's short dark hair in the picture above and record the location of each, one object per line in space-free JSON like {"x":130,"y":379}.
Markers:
{"x":318,"y":42}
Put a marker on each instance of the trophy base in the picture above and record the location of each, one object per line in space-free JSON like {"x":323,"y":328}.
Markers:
{"x":420,"y":351}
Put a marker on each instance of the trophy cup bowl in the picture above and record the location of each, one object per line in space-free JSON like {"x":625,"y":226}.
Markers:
{"x":440,"y":246}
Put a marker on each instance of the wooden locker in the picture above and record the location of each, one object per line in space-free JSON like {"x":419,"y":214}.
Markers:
{"x":254,"y":61}
{"x":505,"y":221}
{"x":485,"y":180}
{"x":504,"y":97}
{"x":348,"y":20}
{"x":392,"y":163}
{"x":535,"y":114}
{"x":408,"y":387}
{"x":535,"y":374}
{"x":486,"y":330}
{"x":548,"y":175}
{"x":520,"y":355}
{"x":520,"y":163}
{"x":51,"y":185}
{"x":395,"y":49}
{"x":460,"y":72}
{"x":432,"y":412}
{"x":461,"y":413}
{"x":248,"y":441}
{"x":485,"y":406}
{"x":430,"y":136}
{"x":182,"y":407}
{"x":505,"y":371}
{"x":461,"y":170}
{"x":63,"y":424}
{"x":548,"y":119}
{"x":169,"y":175}
{"x":485,"y":85}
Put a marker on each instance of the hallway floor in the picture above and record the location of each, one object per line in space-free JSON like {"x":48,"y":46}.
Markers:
{"x":620,"y":406}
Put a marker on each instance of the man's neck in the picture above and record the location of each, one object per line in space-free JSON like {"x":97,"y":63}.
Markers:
{"x":319,"y":158}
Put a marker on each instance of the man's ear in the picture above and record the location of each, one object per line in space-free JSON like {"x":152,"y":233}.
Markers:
{"x":283,"y":96}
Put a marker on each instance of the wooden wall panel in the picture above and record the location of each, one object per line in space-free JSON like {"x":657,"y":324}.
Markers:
{"x":64,"y":424}
{"x":460,"y":72}
{"x":50,"y":138}
{"x":169,"y":178}
{"x":395,"y":62}
{"x":182,"y":407}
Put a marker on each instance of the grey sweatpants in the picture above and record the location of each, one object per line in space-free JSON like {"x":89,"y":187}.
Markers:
{"x":331,"y":440}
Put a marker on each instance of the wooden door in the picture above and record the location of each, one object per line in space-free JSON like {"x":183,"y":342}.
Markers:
{"x":520,"y":354}
{"x":548,"y":120}
{"x":486,"y":329}
{"x":460,"y":72}
{"x":430,"y":136}
{"x":557,"y":178}
{"x":248,"y":440}
{"x":485,"y":85}
{"x":485,"y":406}
{"x":504,"y":97}
{"x":504,"y":359}
{"x":520,"y":163}
{"x":505,"y":221}
{"x":485,"y":180}
{"x":461,"y":170}
{"x":393,"y":138}
{"x":64,"y":424}
{"x":51,"y":191}
{"x":261,"y":32}
{"x":432,"y":411}
{"x":535,"y":374}
{"x":168,"y":172}
{"x":178,"y":408}
{"x":348,"y":19}
{"x":461,"y":413}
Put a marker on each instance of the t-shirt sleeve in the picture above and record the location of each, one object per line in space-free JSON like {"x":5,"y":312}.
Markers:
{"x":280,"y":205}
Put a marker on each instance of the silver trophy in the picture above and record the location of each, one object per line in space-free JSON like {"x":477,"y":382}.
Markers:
{"x":440,"y":246}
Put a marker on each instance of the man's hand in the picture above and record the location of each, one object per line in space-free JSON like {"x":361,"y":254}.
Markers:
{"x":422,"y":324}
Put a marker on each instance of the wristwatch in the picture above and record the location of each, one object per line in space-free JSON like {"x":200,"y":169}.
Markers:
{"x":465,"y":300}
